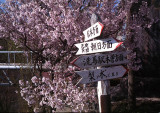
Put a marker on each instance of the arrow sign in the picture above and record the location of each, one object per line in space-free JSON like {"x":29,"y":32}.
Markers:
{"x":96,"y":46}
{"x":93,"y":31}
{"x":101,"y":74}
{"x":109,"y":59}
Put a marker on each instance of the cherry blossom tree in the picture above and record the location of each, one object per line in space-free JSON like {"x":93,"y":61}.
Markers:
{"x":50,"y":29}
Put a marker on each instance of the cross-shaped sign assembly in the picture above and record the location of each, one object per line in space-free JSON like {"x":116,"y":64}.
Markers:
{"x":94,"y":60}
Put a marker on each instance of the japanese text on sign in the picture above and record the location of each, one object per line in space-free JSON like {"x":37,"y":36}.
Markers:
{"x":95,"y":46}
{"x":107,"y":59}
{"x":102,"y":75}
{"x":103,"y":59}
{"x":89,"y":76}
{"x":93,"y":31}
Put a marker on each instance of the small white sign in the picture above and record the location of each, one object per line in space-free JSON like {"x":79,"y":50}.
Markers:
{"x":96,"y":46}
{"x":93,"y":31}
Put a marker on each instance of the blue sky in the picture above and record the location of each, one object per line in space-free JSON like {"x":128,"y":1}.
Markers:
{"x":2,"y":0}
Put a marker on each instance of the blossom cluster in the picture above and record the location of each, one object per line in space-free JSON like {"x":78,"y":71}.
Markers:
{"x":59,"y":93}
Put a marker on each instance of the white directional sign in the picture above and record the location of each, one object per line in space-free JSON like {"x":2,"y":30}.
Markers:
{"x":101,"y":74}
{"x":93,"y":31}
{"x":95,"y":60}
{"x":96,"y":46}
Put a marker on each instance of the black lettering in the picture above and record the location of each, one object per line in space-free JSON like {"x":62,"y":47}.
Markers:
{"x":87,"y":48}
{"x":112,"y":58}
{"x":93,"y":46}
{"x":84,"y":62}
{"x":99,"y":45}
{"x":116,"y":73}
{"x":113,"y":74}
{"x":121,"y":57}
{"x":91,"y":76}
{"x":82,"y":47}
{"x":116,"y":58}
{"x":91,"y":32}
{"x":104,"y":45}
{"x":96,"y":28}
{"x":101,"y":59}
{"x":88,"y":33}
{"x":109,"y":44}
{"x":95,"y":61}
{"x":88,"y":61}
{"x":101,"y":75}
{"x":107,"y":59}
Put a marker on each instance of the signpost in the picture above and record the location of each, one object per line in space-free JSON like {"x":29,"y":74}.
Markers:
{"x":95,"y":60}
{"x":96,"y":46}
{"x":101,"y":74}
{"x":93,"y":31}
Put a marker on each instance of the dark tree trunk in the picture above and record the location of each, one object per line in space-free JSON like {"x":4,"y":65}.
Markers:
{"x":131,"y":90}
